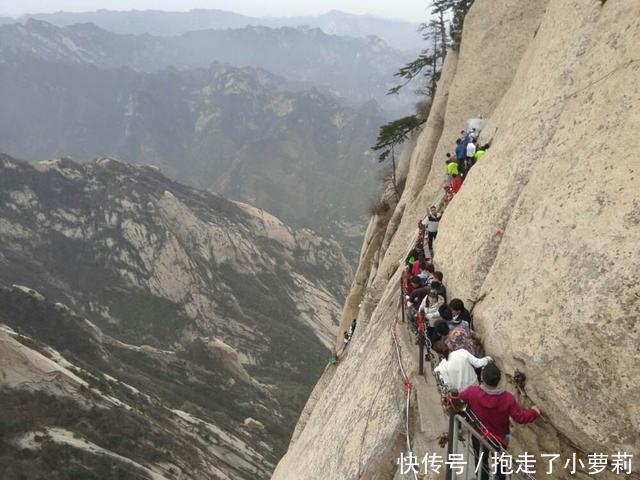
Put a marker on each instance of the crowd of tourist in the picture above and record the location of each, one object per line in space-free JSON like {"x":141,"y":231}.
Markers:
{"x":468,"y":152}
{"x":446,"y":326}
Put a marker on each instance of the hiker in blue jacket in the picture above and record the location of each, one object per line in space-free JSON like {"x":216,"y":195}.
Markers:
{"x":461,"y":154}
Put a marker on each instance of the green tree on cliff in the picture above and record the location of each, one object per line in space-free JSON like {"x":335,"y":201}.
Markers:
{"x":446,"y":14}
{"x":459,"y":8}
{"x":393,"y":134}
{"x":428,"y":64}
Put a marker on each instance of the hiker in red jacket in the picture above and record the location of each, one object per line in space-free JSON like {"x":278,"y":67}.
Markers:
{"x":494,"y":406}
{"x":456,"y":184}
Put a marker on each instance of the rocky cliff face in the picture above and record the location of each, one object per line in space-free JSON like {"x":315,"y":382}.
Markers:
{"x":541,"y":241}
{"x":177,"y":289}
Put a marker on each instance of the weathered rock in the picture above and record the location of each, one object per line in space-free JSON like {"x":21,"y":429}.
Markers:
{"x":542,"y":238}
{"x":65,"y":382}
{"x":220,"y":305}
{"x":545,"y":231}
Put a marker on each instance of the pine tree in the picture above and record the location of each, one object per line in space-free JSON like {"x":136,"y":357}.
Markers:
{"x":428,"y":64}
{"x":391,"y":135}
{"x":430,"y":60}
{"x":459,"y":9}
{"x":395,"y":133}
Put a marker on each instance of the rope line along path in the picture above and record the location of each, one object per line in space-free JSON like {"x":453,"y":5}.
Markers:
{"x":408,"y":388}
{"x":462,"y":420}
{"x":463,"y":417}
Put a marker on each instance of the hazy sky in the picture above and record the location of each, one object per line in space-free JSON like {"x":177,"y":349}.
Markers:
{"x":403,"y":9}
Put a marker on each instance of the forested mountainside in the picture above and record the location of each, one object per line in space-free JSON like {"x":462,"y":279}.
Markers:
{"x":158,"y":303}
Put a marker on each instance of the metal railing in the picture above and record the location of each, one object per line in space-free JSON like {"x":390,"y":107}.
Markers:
{"x":475,"y":451}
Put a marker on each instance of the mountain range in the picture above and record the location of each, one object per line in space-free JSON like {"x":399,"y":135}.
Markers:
{"x":156,"y":329}
{"x":357,"y":70}
{"x":241,"y":131}
{"x":148,"y":309}
{"x":400,"y":34}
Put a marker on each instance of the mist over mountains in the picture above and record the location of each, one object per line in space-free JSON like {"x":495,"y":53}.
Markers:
{"x":399,"y":34}
{"x":356,"y":70}
{"x":244,"y":132}
{"x":169,"y":295}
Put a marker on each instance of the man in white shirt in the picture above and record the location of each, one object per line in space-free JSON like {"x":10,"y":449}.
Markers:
{"x":457,"y":368}
{"x":431,"y":222}
{"x":471,"y":154}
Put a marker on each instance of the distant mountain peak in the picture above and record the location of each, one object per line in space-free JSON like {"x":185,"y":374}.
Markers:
{"x":33,"y":24}
{"x":398,"y":33}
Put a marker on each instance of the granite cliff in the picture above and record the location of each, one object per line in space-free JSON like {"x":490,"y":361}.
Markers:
{"x":541,"y":242}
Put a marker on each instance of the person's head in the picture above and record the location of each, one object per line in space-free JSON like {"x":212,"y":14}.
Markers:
{"x":457,"y":306}
{"x":458,"y":141}
{"x":432,"y":297}
{"x":462,"y":132}
{"x":430,"y":268}
{"x":416,"y":281}
{"x":473,"y":130}
{"x":434,"y":209}
{"x":423,"y":265}
{"x":346,"y":335}
{"x":491,"y":375}
{"x":448,"y":155}
{"x":454,"y":175}
{"x":445,"y":313}
{"x":485,"y":146}
{"x":438,"y":276}
{"x":441,"y":348}
{"x":442,"y":328}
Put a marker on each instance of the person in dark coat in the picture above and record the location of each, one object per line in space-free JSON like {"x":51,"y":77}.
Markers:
{"x":459,"y":312}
